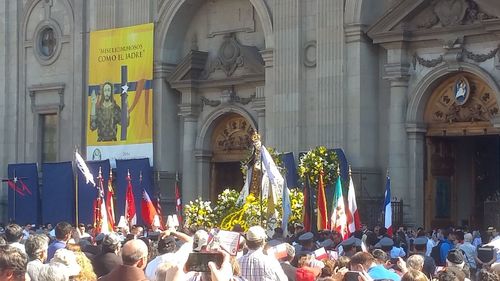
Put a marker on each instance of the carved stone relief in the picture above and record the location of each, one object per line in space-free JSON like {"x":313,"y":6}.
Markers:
{"x":232,"y":55}
{"x":227,"y":96}
{"x":232,"y":135}
{"x":444,"y":108}
{"x":443,"y":13}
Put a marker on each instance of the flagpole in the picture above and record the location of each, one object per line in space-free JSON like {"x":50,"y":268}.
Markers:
{"x":75,"y":173}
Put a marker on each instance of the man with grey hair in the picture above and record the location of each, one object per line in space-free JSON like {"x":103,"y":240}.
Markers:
{"x":36,"y":248}
{"x":290,"y":270}
{"x":470,"y":252}
{"x":135,"y":258}
{"x":51,"y":273}
{"x":12,"y":264}
{"x":255,"y":265}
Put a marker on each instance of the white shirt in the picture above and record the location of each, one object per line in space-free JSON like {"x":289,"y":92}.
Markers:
{"x":430,"y":245}
{"x":256,"y":266}
{"x":179,"y":258}
{"x":19,"y":246}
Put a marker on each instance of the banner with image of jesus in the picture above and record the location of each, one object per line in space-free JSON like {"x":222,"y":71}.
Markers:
{"x":120,"y":94}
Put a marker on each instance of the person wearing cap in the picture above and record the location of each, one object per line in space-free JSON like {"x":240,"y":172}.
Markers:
{"x":36,"y":248}
{"x":167,"y":250}
{"x":135,"y":257}
{"x":348,"y":247}
{"x":306,"y":244}
{"x":456,"y":259}
{"x":365,"y":262}
{"x":255,"y":265}
{"x":287,"y":267}
{"x":108,"y":259}
{"x":420,"y":244}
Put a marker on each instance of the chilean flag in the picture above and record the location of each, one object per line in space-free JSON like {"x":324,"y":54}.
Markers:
{"x":353,"y":221}
{"x":178,"y":200}
{"x":388,"y":207}
{"x":148,"y":210}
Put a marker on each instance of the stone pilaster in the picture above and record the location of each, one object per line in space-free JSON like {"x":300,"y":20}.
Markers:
{"x":203,"y":162}
{"x":362,"y":99}
{"x":416,"y":151}
{"x":189,"y":113}
{"x":105,"y":11}
{"x":259,"y":105}
{"x":397,"y":73}
{"x":284,"y":99}
{"x":166,"y":120}
{"x":329,"y":64}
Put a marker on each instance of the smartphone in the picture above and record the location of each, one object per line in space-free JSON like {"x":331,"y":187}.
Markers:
{"x":351,"y":276}
{"x":198,"y":262}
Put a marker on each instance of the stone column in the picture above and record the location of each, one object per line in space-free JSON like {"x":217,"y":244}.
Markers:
{"x":397,"y":73}
{"x":189,"y":113}
{"x":416,"y":155}
{"x":203,"y":162}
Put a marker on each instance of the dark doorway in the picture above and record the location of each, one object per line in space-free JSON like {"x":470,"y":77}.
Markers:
{"x":462,"y":177}
{"x":226,"y":175}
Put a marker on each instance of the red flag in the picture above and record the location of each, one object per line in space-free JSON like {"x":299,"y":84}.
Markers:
{"x":321,"y":202}
{"x":159,"y":211}
{"x":178,"y":201}
{"x":353,"y":221}
{"x":148,"y":211}
{"x":130,"y":214}
{"x":308,"y":210}
{"x":101,"y":223}
{"x":110,"y":205}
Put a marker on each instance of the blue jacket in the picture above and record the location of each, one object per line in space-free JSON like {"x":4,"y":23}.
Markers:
{"x":446,"y":246}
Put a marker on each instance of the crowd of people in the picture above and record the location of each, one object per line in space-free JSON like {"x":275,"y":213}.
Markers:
{"x":68,"y":252}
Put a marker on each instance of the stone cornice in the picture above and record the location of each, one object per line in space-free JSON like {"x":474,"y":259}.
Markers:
{"x":355,"y":32}
{"x":191,"y":67}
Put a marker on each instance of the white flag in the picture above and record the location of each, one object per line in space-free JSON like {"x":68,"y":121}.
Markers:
{"x":80,"y":163}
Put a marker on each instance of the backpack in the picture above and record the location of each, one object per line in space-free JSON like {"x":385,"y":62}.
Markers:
{"x":436,"y":253}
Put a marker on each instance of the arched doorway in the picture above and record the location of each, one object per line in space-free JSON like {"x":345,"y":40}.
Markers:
{"x":462,"y":164}
{"x":231,"y":143}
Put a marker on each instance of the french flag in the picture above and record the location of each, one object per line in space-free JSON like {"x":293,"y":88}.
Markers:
{"x":388,"y":207}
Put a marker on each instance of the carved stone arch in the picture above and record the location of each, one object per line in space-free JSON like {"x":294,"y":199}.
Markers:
{"x":204,"y":137}
{"x":421,"y":93}
{"x":171,"y":9}
{"x":362,"y":11}
{"x":30,"y":5}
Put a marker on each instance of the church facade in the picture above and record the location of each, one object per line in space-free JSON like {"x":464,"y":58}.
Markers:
{"x":405,"y":86}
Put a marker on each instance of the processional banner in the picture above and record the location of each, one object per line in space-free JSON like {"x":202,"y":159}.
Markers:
{"x":120,"y":94}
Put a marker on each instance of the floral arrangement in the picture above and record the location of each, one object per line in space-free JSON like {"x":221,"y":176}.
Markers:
{"x":297,"y":203}
{"x":226,"y":204}
{"x":227,"y":213}
{"x":199,"y":213}
{"x":316,"y":160}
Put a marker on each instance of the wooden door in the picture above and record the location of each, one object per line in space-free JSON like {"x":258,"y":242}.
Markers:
{"x":440,"y":190}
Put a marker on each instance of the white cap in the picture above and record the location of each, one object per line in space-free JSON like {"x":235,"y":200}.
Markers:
{"x":256,"y":233}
